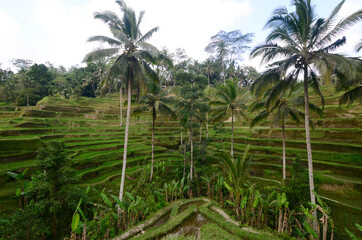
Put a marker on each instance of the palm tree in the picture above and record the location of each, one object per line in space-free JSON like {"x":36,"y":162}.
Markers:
{"x":228,"y":101}
{"x":27,"y":82}
{"x":219,"y":46}
{"x":304,"y":42}
{"x":133,"y":55}
{"x":284,"y":107}
{"x":190,"y":107}
{"x":156,"y":101}
{"x":208,"y":69}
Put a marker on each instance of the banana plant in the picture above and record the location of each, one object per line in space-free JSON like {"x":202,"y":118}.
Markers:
{"x":326,"y":217}
{"x":76,"y":220}
{"x":267,"y":202}
{"x":207,"y":180}
{"x":308,"y":222}
{"x":20,"y":192}
{"x":219,"y":189}
{"x":281,"y":207}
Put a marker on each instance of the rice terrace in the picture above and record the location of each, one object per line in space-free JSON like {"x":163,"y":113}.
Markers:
{"x":258,"y":135}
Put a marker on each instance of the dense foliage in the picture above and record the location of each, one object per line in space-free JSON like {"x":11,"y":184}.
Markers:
{"x":53,"y":203}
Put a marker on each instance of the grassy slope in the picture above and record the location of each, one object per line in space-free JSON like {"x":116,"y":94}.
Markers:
{"x":90,"y":129}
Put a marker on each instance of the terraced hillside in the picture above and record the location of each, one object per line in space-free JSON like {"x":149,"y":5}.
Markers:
{"x":90,"y":129}
{"x":91,"y":133}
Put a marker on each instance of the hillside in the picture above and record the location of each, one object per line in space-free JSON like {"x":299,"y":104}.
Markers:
{"x":90,"y":129}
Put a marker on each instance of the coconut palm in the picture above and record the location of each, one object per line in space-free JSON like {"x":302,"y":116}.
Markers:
{"x":229,"y":101}
{"x":298,"y":44}
{"x":208,"y":69}
{"x":156,"y":101}
{"x":279,"y":111}
{"x":190,"y":106}
{"x":132,"y":57}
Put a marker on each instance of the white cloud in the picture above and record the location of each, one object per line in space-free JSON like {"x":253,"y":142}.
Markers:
{"x":57,"y":30}
{"x":10,"y":37}
{"x":190,"y":24}
{"x":187,"y":24}
{"x":354,"y":34}
{"x":67,"y":29}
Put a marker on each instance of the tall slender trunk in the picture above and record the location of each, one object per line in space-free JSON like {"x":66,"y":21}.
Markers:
{"x":55,"y":225}
{"x":153,"y":141}
{"x":94,"y":92}
{"x":126,"y":136}
{"x":208,"y":79}
{"x":192,"y":153}
{"x":207,"y":126}
{"x":191,"y":158}
{"x":27,"y":97}
{"x":200,"y":137}
{"x":284,"y":160}
{"x":184,"y":149}
{"x":223,"y":71}
{"x":120,"y":107}
{"x":309,"y":147}
{"x":232,"y":133}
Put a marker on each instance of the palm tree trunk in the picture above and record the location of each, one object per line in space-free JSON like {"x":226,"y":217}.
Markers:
{"x":191,"y":160}
{"x":309,"y":147}
{"x":153,"y":142}
{"x":184,"y":149}
{"x":232,"y":133}
{"x":192,"y":154}
{"x":120,"y":107}
{"x":126,"y":138}
{"x":27,"y":97}
{"x":208,"y":79}
{"x":284,"y":160}
{"x":200,"y":137}
{"x":94,"y":92}
{"x":207,"y":126}
{"x":223,"y":71}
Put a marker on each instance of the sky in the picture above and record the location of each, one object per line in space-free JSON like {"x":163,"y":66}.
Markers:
{"x":57,"y":30}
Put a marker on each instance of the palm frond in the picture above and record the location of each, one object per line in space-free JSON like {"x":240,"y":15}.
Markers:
{"x":255,"y":106}
{"x":358,"y":46}
{"x":277,"y":91}
{"x":148,"y":35}
{"x":121,"y":36}
{"x":266,"y":79}
{"x":109,"y":18}
{"x":313,"y":82}
{"x":218,"y":116}
{"x":259,"y":118}
{"x":140,"y":18}
{"x":152,"y":50}
{"x":334,"y":45}
{"x":100,"y":54}
{"x":342,"y":26}
{"x":352,"y":95}
{"x":112,"y":42}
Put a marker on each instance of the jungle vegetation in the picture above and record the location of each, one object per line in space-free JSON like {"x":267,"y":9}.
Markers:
{"x":66,"y":189}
